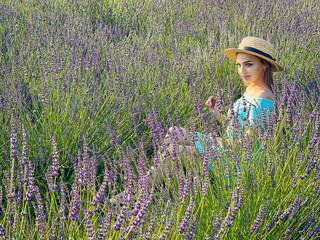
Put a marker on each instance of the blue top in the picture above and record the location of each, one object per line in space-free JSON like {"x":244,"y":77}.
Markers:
{"x":249,"y":109}
{"x":245,"y":109}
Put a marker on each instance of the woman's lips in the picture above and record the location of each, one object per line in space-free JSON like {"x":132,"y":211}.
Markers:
{"x":245,"y":76}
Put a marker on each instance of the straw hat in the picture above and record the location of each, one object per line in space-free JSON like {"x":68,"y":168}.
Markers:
{"x":257,"y":47}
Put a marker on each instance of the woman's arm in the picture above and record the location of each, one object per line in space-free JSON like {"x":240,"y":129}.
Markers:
{"x":214,"y":110}
{"x":219,"y":116}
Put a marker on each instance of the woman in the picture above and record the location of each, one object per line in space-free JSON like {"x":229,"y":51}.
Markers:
{"x":255,"y":66}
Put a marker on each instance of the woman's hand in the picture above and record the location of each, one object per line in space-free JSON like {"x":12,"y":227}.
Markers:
{"x":211,"y":103}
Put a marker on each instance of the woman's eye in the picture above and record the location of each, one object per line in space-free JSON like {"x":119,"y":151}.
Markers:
{"x":248,"y":64}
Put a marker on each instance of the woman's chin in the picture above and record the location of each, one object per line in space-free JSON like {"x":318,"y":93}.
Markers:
{"x":246,"y":83}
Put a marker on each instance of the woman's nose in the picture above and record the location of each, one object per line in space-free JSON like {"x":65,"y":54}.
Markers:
{"x":242,"y":70}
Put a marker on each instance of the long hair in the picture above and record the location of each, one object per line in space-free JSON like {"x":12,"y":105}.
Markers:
{"x":268,"y":77}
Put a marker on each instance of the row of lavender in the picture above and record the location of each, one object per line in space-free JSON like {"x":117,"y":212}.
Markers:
{"x":88,"y":90}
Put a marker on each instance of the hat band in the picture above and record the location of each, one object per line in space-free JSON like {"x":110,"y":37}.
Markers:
{"x":251,"y":49}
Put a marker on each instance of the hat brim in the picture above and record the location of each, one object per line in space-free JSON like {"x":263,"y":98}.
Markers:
{"x":232,"y":54}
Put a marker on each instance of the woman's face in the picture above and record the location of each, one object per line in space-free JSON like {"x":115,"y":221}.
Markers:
{"x":250,"y":68}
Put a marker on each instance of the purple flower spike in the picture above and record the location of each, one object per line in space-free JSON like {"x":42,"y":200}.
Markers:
{"x":13,"y":156}
{"x":13,"y":139}
{"x":63,"y":203}
{"x":165,"y":232}
{"x":288,"y":231}
{"x":30,"y":178}
{"x":24,"y":147}
{"x":193,"y":230}
{"x":40,"y":213}
{"x":89,"y":226}
{"x":85,"y":164}
{"x":291,"y":210}
{"x":104,"y":226}
{"x":101,"y":193}
{"x":55,"y":158}
{"x":187,"y":186}
{"x":50,"y":180}
{"x":75,"y":207}
{"x":183,"y":227}
{"x":261,"y":215}
{"x":315,"y":230}
{"x":3,"y":233}
{"x":206,"y":174}
{"x":272,"y":222}
{"x":310,"y":221}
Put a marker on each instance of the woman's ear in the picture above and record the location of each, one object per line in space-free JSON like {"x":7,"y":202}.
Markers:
{"x":265,"y":66}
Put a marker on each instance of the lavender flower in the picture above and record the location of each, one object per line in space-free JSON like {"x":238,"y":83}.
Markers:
{"x":55,"y":158}
{"x":193,"y":230}
{"x":284,"y":95}
{"x":293,"y":177}
{"x":30,"y":187}
{"x":205,"y":171}
{"x":147,"y":235}
{"x":230,"y":94}
{"x":13,"y":156}
{"x":165,"y":232}
{"x":63,"y":202}
{"x":143,"y":210}
{"x":261,"y":216}
{"x":241,"y":198}
{"x":273,"y":221}
{"x":121,"y":217}
{"x":216,"y":224}
{"x":3,"y":233}
{"x":40,"y":213}
{"x":24,"y":147}
{"x":314,"y":112}
{"x":310,"y":221}
{"x":89,"y":228}
{"x":141,"y":164}
{"x":187,"y":186}
{"x":85,"y":172}
{"x":101,"y":192}
{"x":290,"y":209}
{"x":183,"y":227}
{"x":180,"y":185}
{"x":53,"y":228}
{"x":315,"y":229}
{"x":288,"y":231}
{"x":75,"y":207}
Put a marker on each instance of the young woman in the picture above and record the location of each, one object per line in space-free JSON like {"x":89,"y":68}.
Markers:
{"x":255,"y":66}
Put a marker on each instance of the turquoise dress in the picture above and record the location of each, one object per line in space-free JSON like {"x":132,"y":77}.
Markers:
{"x":245,"y":109}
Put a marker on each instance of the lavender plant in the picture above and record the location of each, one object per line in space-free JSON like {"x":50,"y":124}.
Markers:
{"x":89,"y":89}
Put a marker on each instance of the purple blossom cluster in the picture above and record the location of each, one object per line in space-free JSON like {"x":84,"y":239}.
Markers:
{"x":3,"y":233}
{"x":184,"y":225}
{"x":291,"y":209}
{"x":260,"y":217}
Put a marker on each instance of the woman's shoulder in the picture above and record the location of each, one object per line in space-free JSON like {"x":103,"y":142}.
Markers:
{"x":266,"y":95}
{"x":258,"y":92}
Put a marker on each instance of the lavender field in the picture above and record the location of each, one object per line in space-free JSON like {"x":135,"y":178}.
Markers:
{"x":90,"y":88}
